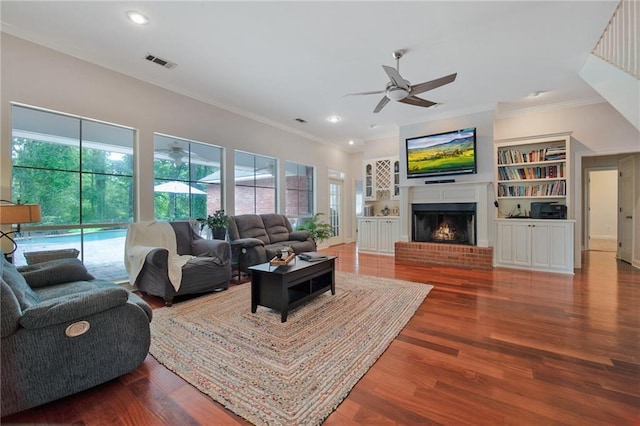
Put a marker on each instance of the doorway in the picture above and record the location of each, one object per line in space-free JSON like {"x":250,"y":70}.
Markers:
{"x":335,"y":211}
{"x":602,"y":211}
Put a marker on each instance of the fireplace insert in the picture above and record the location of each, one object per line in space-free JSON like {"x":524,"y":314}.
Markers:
{"x":446,"y":223}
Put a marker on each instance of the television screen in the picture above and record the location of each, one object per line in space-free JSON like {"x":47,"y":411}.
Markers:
{"x":449,"y":153}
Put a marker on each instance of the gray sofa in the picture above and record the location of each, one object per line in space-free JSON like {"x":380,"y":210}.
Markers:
{"x":208,"y":270}
{"x":255,"y":238}
{"x":64,"y":332}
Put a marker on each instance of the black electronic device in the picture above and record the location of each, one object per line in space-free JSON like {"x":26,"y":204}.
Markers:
{"x":546,"y":210}
{"x":440,"y":181}
{"x":441,"y":154}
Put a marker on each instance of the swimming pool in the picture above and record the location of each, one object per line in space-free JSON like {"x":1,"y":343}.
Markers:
{"x":71,"y":238}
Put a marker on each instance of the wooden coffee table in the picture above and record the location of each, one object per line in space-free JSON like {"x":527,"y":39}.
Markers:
{"x":284,"y":287}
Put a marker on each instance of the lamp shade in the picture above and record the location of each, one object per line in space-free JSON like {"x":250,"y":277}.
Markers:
{"x":19,"y":213}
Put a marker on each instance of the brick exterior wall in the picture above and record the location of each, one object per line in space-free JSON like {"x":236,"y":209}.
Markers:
{"x":444,"y":254}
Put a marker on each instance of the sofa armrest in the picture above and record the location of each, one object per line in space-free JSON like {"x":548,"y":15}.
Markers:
{"x":247,"y":242}
{"x":299,"y":235}
{"x":55,"y":272}
{"x":73,"y":307}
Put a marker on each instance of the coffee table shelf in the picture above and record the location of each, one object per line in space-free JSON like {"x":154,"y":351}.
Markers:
{"x":286,"y":287}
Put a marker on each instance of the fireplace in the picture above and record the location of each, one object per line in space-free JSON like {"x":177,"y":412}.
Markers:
{"x":444,"y":223}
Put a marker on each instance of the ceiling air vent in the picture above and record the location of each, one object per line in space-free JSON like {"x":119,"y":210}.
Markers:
{"x":162,"y":62}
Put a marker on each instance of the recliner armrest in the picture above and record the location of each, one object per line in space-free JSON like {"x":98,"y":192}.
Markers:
{"x":299,"y":235}
{"x":247,"y":242}
{"x":73,"y":307}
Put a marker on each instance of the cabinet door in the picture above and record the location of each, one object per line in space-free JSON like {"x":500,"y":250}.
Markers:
{"x":367,"y":235}
{"x":388,"y":234}
{"x":522,"y":244}
{"x":369,"y":192}
{"x":504,"y":244}
{"x":561,"y":246}
{"x":395,"y":195}
{"x":540,"y":247}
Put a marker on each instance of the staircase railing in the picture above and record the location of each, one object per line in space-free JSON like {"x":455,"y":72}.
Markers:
{"x":619,"y":43}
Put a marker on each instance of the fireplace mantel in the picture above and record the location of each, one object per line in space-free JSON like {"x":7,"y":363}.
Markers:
{"x":458,"y":192}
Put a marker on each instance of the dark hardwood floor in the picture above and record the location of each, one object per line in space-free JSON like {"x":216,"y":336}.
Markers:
{"x":485,"y":347}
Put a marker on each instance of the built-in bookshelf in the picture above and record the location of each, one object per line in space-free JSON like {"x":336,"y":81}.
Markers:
{"x":530,"y":170}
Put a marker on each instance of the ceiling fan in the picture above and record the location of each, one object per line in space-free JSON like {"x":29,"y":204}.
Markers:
{"x":400,"y":90}
{"x":175,"y":152}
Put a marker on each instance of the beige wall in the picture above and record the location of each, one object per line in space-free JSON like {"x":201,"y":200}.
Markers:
{"x":41,"y":77}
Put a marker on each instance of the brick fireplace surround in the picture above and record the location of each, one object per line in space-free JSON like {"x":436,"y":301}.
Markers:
{"x":465,"y":256}
{"x":413,"y":253}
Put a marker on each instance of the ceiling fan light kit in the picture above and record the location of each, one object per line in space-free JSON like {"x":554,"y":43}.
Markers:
{"x":400,"y":90}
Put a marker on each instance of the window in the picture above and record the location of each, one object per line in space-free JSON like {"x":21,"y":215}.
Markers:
{"x":188,"y":178}
{"x":299,"y":191}
{"x":255,"y":184}
{"x":81,"y":173}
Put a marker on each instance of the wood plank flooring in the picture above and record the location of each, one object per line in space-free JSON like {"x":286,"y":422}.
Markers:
{"x":485,"y":348}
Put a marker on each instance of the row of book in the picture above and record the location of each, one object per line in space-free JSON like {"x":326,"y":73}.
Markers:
{"x":542,"y":190}
{"x":514,"y":156}
{"x":523,"y":173}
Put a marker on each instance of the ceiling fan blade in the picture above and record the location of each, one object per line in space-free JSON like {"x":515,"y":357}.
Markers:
{"x":416,"y":89}
{"x":396,"y":78}
{"x":375,"y":92}
{"x":414,"y":100}
{"x":381,"y":104}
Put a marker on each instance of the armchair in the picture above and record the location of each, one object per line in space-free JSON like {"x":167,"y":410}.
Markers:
{"x":64,"y":332}
{"x":169,"y":259}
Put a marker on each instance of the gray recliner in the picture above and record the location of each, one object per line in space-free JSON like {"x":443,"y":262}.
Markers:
{"x":64,"y":332}
{"x":208,"y":269}
{"x":256,"y":238}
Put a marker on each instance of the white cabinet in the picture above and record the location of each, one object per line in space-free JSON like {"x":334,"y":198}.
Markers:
{"x":381,"y":179}
{"x":378,"y":234}
{"x":543,"y":245}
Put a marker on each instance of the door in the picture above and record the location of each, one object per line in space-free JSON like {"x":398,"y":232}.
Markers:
{"x":602,"y":210}
{"x":335,"y":211}
{"x":625,"y":208}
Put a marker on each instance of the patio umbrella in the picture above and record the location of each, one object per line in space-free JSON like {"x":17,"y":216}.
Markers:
{"x":177,"y":188}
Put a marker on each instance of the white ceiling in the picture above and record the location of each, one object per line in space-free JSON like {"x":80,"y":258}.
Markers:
{"x":276,"y":61}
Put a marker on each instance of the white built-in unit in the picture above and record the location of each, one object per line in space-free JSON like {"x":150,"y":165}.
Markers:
{"x":528,"y":170}
{"x":381,"y":178}
{"x":378,"y":234}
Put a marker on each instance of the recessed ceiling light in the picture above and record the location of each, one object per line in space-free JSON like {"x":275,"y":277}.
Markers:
{"x":137,"y":17}
{"x":351,"y":142}
{"x":334,"y":119}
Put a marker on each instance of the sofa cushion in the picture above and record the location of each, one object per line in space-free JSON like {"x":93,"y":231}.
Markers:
{"x":55,"y":272}
{"x":277,"y":226}
{"x":251,"y":226}
{"x":25,"y":294}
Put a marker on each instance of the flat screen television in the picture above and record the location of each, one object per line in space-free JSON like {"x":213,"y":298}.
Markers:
{"x":442,"y":154}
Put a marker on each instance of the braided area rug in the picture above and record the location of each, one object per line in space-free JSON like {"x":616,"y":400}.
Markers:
{"x":292,"y":373}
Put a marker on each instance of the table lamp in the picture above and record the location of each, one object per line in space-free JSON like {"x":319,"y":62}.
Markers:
{"x":16,"y":213}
